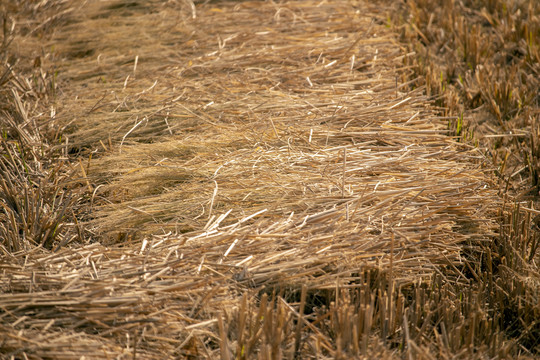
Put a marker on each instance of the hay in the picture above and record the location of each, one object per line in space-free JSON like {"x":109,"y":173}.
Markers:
{"x":252,"y":162}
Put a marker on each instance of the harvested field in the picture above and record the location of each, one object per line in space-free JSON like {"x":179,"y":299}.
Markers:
{"x":237,"y":179}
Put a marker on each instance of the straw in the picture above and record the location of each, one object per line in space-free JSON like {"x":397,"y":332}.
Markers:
{"x":276,"y":162}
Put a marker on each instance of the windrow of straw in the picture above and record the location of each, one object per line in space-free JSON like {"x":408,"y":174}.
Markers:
{"x":252,"y":179}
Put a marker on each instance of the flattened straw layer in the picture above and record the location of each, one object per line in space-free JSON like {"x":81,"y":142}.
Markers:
{"x":294,"y":161}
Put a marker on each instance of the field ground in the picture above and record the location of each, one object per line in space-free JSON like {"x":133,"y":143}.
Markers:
{"x":248,"y":179}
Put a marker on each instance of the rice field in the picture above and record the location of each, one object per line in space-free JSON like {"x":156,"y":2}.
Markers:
{"x":258,"y":179}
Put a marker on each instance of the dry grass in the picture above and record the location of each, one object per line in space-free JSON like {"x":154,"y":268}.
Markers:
{"x":240,"y":180}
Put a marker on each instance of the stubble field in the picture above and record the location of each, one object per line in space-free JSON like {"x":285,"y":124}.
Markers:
{"x":245,"y":179}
